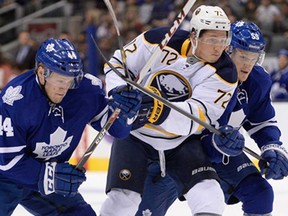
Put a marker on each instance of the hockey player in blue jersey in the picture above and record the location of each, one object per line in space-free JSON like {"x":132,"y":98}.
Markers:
{"x":240,"y":179}
{"x":43,"y":114}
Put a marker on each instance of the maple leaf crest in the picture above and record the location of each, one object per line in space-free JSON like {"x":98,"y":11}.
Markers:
{"x":50,"y":47}
{"x":94,"y":80}
{"x":58,"y":144}
{"x":12,"y":94}
{"x":146,"y":212}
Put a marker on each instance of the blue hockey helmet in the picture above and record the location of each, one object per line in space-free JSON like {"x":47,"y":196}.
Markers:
{"x":60,"y":56}
{"x":247,"y":36}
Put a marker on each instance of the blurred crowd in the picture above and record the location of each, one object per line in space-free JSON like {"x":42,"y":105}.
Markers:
{"x":136,"y":16}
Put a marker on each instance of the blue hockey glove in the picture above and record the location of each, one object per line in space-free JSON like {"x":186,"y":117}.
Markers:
{"x":60,"y":178}
{"x":128,"y":100}
{"x":151,"y":110}
{"x":230,"y":143}
{"x":276,"y":164}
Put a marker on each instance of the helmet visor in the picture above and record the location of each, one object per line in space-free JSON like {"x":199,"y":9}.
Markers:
{"x":68,"y":80}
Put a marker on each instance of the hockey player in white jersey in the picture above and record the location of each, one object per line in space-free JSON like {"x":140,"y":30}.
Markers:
{"x":202,"y":85}
{"x":240,"y":179}
{"x":43,"y":114}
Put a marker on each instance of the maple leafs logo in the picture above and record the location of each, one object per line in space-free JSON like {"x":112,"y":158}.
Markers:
{"x":58,"y":144}
{"x":50,"y":47}
{"x":12,"y":94}
{"x":94,"y":80}
{"x":146,"y":212}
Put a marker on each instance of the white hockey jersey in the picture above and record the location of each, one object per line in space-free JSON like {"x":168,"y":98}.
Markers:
{"x":201,"y":89}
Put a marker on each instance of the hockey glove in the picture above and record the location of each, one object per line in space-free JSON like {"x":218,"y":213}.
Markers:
{"x":151,"y":110}
{"x":230,"y":143}
{"x":60,"y":178}
{"x":128,"y":101}
{"x":276,"y":164}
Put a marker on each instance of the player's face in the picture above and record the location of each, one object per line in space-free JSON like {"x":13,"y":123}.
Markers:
{"x":57,"y":86}
{"x":211,"y":44}
{"x":282,"y":61}
{"x":244,"y":61}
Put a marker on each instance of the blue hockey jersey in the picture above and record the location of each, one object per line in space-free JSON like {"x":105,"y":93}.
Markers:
{"x":34,"y":131}
{"x":251,"y":108}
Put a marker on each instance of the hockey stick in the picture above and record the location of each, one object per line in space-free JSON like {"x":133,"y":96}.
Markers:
{"x":171,"y":105}
{"x":145,"y":69}
{"x":97,"y":140}
{"x":117,"y":111}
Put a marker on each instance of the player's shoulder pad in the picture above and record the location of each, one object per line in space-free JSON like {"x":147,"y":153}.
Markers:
{"x":156,"y":35}
{"x":260,"y":79}
{"x":90,"y":81}
{"x":226,"y":69}
{"x":19,"y":86}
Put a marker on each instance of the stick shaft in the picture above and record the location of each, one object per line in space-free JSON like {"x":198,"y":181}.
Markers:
{"x":97,"y":139}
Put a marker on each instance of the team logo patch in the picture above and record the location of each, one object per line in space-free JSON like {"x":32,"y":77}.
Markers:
{"x":12,"y":94}
{"x":242,"y":96}
{"x":125,"y":174}
{"x":59,"y":142}
{"x":174,"y":85}
{"x":146,"y":212}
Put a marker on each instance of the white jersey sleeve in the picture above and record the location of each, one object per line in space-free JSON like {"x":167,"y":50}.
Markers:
{"x":197,"y":89}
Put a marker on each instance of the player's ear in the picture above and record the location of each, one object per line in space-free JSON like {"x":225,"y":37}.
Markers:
{"x":40,"y":74}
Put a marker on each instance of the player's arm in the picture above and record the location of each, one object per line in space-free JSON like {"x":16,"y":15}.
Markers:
{"x":121,"y":97}
{"x":262,"y":127}
{"x":208,"y":102}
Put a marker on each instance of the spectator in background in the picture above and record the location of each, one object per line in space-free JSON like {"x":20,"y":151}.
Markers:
{"x":279,"y":90}
{"x":8,"y":70}
{"x":25,"y":56}
{"x":268,"y":16}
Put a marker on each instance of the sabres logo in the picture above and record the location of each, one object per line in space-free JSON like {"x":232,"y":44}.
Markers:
{"x":175,"y":86}
{"x":125,"y":174}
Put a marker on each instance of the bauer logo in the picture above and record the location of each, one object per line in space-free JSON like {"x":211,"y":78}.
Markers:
{"x":244,"y":165}
{"x":202,"y":169}
{"x":125,"y":174}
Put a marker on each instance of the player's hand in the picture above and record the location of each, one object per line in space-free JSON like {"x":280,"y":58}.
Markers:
{"x":151,"y":110}
{"x":60,"y":178}
{"x":230,"y":143}
{"x":276,"y":164}
{"x":128,"y":100}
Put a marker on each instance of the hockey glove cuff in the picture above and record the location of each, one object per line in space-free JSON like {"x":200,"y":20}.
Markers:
{"x":151,"y":110}
{"x":276,"y":164}
{"x":60,"y":178}
{"x":230,"y":143}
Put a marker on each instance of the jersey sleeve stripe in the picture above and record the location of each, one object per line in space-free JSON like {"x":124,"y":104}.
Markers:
{"x":261,"y":125}
{"x":11,"y":163}
{"x":14,"y":149}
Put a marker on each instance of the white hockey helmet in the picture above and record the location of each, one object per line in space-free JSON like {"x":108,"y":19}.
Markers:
{"x":209,"y":18}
